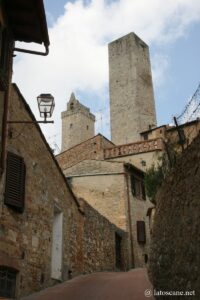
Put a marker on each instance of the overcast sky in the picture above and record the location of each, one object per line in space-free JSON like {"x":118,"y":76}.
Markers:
{"x":78,"y":61}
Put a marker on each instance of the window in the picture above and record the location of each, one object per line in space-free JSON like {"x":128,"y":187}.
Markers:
{"x":87,"y":127}
{"x":71,"y":125}
{"x":7,"y":282}
{"x":15,"y":182}
{"x":137,"y":187}
{"x":141,"y":232}
{"x":145,"y":136}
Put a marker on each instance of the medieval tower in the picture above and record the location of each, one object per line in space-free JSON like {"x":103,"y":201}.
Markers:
{"x":77,"y":124}
{"x":132,"y":107}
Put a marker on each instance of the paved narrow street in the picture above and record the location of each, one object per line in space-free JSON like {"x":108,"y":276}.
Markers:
{"x":101,"y":286}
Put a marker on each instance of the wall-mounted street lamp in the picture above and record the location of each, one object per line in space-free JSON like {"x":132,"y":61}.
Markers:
{"x":46,"y":106}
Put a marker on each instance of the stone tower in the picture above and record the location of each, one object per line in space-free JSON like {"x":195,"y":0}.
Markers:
{"x":132,"y":107}
{"x":77,"y":124}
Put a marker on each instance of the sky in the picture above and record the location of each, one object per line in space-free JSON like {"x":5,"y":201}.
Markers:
{"x":80,"y":31}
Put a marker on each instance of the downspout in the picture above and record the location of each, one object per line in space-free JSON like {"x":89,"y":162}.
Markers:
{"x":5,"y":113}
{"x":130,"y":220}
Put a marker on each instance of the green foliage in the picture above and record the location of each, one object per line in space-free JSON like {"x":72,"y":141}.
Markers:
{"x":153,"y":180}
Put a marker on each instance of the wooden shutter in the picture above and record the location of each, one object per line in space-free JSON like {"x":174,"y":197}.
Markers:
{"x":141,"y":234}
{"x":15,"y":181}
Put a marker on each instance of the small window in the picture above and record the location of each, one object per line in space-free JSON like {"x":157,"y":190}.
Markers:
{"x":87,"y":127}
{"x":71,"y":125}
{"x":138,"y":187}
{"x":72,"y":106}
{"x":145,"y":136}
{"x":7,"y":282}
{"x":141,"y":232}
{"x":15,"y":182}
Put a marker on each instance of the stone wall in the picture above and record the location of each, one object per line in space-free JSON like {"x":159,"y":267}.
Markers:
{"x":132,"y":106}
{"x":103,"y":186}
{"x":26,"y":238}
{"x":138,"y":209}
{"x":106,"y":186}
{"x":174,"y":260}
{"x":98,"y":246}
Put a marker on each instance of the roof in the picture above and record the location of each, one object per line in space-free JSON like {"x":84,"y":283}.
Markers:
{"x":27,"y":20}
{"x":134,"y":169}
{"x":99,"y":134}
{"x":27,"y":107}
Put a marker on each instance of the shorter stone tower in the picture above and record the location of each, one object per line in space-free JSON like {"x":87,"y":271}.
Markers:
{"x":77,"y":124}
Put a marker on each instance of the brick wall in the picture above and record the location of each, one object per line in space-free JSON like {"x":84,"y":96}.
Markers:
{"x":90,"y":149}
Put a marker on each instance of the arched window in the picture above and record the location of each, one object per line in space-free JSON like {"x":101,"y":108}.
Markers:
{"x":7,"y":282}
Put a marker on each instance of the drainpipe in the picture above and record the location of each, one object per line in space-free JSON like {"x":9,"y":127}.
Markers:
{"x":5,"y":113}
{"x":130,"y":220}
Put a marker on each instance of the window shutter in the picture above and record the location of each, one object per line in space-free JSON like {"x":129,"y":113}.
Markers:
{"x":141,"y":234}
{"x":15,"y":181}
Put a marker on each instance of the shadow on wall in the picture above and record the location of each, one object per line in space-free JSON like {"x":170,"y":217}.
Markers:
{"x":174,"y":256}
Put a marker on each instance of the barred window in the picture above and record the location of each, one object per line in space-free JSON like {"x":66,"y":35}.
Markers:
{"x":138,"y":187}
{"x":7,"y":282}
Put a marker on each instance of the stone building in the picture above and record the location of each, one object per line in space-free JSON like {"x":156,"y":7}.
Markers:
{"x":45,"y":231}
{"x":109,"y":175}
{"x":77,"y":124}
{"x":132,"y":107}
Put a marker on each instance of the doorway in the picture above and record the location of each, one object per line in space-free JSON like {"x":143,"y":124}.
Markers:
{"x":118,"y":256}
{"x":57,"y":241}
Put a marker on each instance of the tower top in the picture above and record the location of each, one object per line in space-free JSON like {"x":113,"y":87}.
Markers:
{"x":75,"y":107}
{"x":72,"y":97}
{"x":77,"y":123}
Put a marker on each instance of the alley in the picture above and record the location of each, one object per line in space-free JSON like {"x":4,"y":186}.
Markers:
{"x":101,"y":286}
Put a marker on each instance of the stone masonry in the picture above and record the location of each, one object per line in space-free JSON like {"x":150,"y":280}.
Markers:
{"x":132,"y":106}
{"x":175,"y":248}
{"x":26,"y":238}
{"x":77,"y":124}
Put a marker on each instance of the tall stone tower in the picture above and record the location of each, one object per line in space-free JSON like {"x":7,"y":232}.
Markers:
{"x":77,"y":124}
{"x":132,"y":107}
